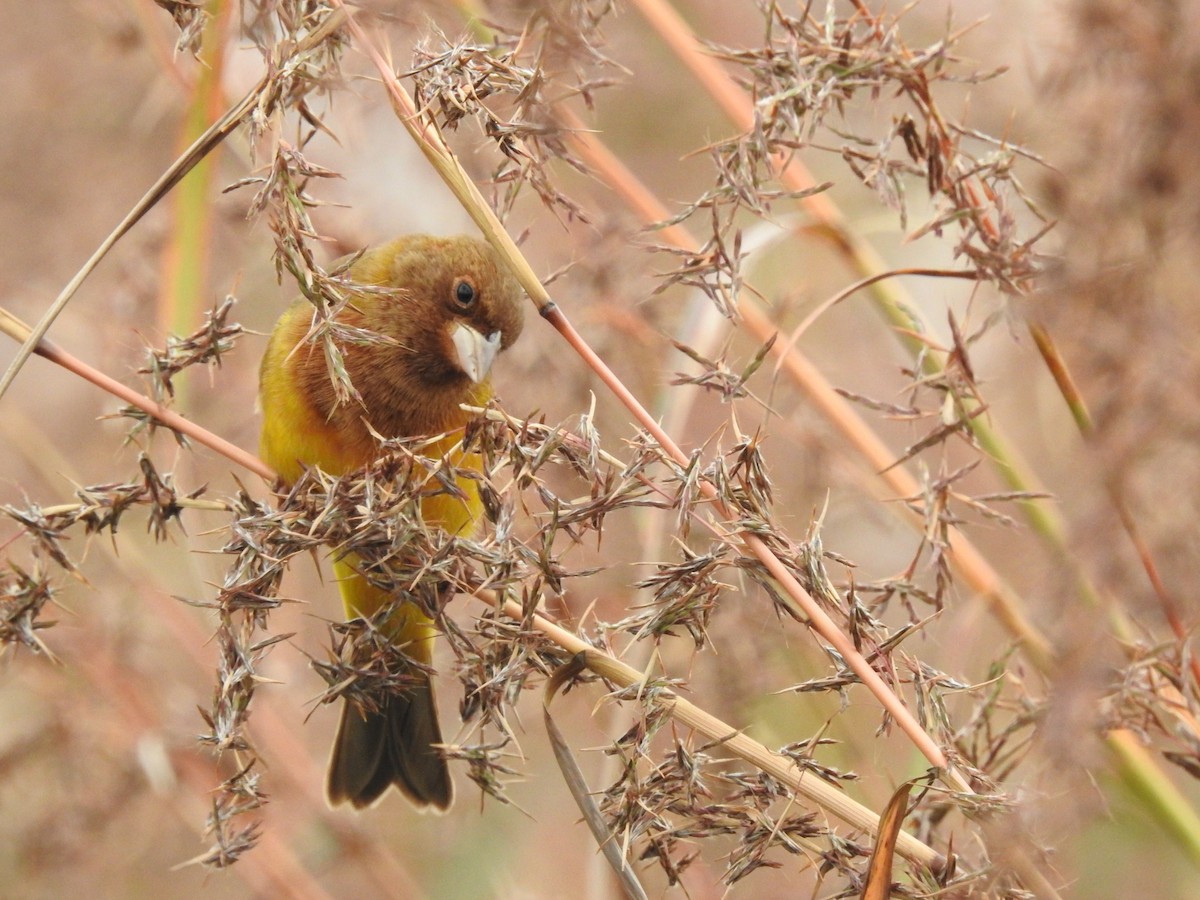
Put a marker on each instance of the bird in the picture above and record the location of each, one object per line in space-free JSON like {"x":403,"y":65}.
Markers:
{"x":441,"y":310}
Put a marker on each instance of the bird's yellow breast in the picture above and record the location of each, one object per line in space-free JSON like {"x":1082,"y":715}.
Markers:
{"x":295,"y":436}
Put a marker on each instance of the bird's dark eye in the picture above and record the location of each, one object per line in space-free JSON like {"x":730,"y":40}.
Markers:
{"x":465,"y":294}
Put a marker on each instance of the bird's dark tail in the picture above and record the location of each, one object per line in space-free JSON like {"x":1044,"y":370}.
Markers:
{"x":391,"y":746}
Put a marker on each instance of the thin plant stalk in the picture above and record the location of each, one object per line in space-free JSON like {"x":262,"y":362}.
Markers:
{"x":733,"y":740}
{"x":22,"y":333}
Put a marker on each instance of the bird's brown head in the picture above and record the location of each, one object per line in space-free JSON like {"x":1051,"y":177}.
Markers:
{"x":453,"y":308}
{"x":447,"y":307}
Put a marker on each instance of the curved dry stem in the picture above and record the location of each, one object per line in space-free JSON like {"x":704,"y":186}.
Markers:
{"x":848,"y":291}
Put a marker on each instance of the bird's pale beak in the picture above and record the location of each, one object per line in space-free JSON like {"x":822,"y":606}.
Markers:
{"x":476,"y":353}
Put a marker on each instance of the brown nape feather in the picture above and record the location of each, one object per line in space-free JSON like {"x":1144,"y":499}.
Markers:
{"x":394,"y":746}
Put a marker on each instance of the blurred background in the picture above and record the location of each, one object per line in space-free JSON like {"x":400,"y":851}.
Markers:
{"x":103,"y":786}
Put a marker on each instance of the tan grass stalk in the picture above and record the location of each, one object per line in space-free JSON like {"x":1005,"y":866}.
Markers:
{"x":825,"y":795}
{"x":22,"y":333}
